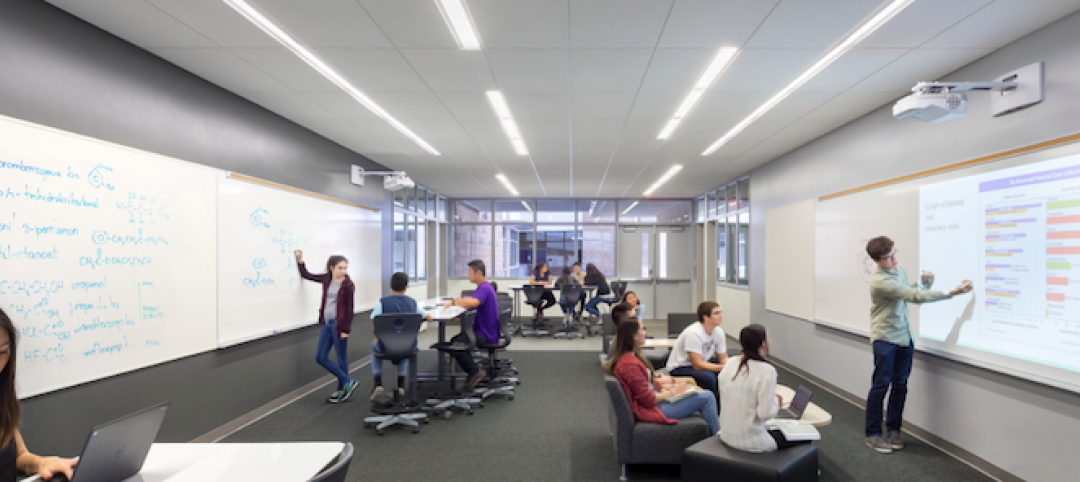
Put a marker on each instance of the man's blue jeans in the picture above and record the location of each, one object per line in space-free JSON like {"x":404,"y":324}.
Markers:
{"x":892,"y":366}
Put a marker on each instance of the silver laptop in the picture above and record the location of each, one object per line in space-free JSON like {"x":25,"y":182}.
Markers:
{"x":798,"y":404}
{"x":116,"y":450}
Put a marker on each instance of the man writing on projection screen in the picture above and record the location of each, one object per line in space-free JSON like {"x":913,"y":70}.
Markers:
{"x":890,"y":335}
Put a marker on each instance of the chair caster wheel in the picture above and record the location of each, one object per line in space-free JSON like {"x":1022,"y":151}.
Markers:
{"x":481,"y":405}
{"x":380,"y":432}
{"x":518,"y":383}
{"x":446,"y":415}
{"x":471,"y":412}
{"x":367,"y":425}
{"x":416,"y":430}
{"x":511,"y":397}
{"x":425,"y":421}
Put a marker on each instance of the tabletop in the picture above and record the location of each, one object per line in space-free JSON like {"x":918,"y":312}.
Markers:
{"x":814,"y":415}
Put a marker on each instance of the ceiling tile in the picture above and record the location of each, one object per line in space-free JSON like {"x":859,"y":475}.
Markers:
{"x":531,"y":70}
{"x":411,"y":23}
{"x":765,"y":69}
{"x":617,"y":23}
{"x":451,"y":70}
{"x":286,"y":67}
{"x":538,"y":105}
{"x":413,"y":106}
{"x":598,"y":70}
{"x":714,"y":23}
{"x":217,"y":21}
{"x":918,"y":65}
{"x":374,"y":69}
{"x":677,"y":69}
{"x":599,"y":129}
{"x":851,"y":68}
{"x":342,"y":105}
{"x":921,"y":21}
{"x":467,"y":105}
{"x":137,"y":22}
{"x":290,"y":105}
{"x":324,"y":23}
{"x":223,"y":68}
{"x":1002,"y":22}
{"x":852,"y":105}
{"x":602,"y":105}
{"x":812,"y":24}
{"x":520,"y":23}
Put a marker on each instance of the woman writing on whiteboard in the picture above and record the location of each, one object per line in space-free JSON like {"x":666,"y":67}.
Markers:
{"x":335,"y":316}
{"x":14,"y":457}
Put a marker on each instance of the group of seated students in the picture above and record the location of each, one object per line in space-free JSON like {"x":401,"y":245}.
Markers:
{"x":592,"y":276}
{"x":744,"y":385}
{"x":486,"y":326}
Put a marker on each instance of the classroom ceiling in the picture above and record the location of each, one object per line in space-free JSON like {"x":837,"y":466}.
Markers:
{"x":590,"y":83}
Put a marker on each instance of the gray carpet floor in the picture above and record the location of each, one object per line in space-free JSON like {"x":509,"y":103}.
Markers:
{"x":556,"y":429}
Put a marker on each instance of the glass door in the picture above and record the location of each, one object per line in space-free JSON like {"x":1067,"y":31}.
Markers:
{"x":657,"y":264}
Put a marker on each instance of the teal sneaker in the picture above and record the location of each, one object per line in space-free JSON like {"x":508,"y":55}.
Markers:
{"x":335,"y":397}
{"x":347,"y":391}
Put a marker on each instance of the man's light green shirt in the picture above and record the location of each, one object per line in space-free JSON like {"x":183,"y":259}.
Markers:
{"x":890,"y":293}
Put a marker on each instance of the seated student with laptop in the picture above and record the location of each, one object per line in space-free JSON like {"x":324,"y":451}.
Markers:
{"x":397,"y":302}
{"x":748,"y":396}
{"x":701,"y":349}
{"x":15,"y":458}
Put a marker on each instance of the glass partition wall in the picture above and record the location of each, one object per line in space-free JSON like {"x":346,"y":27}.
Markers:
{"x":513,"y":235}
{"x":729,"y":208}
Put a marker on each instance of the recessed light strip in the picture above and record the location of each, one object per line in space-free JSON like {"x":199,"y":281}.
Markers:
{"x":861,"y":33}
{"x":457,"y":18}
{"x":506,"y":182}
{"x":502,"y":111}
{"x":667,"y":176}
{"x":723,"y":59}
{"x":628,"y":208}
{"x":321,"y":67}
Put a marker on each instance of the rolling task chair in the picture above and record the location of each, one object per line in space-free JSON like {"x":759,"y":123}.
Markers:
{"x":570,"y":296}
{"x":495,"y":384}
{"x":534,"y":297}
{"x":397,"y":332}
{"x":441,"y":403}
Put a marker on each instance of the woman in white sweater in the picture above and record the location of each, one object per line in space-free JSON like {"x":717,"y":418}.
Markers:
{"x":748,"y":398}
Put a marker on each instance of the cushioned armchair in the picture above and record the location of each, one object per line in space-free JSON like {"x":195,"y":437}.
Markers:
{"x":648,"y":443}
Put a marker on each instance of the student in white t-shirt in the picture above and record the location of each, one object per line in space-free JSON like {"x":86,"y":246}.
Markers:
{"x":701,"y":350}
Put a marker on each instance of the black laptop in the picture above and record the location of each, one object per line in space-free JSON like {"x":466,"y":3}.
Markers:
{"x":798,"y":404}
{"x":116,"y":450}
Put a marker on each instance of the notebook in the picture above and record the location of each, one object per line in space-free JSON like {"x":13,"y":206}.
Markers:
{"x":794,"y":431}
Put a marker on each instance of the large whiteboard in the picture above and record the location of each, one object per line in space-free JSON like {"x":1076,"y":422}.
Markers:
{"x":260,"y":291}
{"x":789,"y":259}
{"x":106,"y":256}
{"x":842,"y":269}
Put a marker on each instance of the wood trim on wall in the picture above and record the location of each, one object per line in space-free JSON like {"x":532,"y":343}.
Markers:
{"x":979,"y":160}
{"x":263,"y":182}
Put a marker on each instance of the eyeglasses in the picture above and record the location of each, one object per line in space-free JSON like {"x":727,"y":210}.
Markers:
{"x":891,"y":256}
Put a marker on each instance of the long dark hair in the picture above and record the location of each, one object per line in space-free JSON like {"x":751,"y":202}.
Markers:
{"x":751,"y":338}
{"x":9,"y":403}
{"x":333,"y":261}
{"x":624,"y":343}
{"x":593,"y":272}
{"x":567,"y":275}
{"x":536,"y":269}
{"x":627,"y":295}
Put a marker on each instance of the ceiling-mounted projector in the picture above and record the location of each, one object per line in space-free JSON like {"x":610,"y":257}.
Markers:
{"x":392,"y":180}
{"x":940,"y":102}
{"x":397,"y":181}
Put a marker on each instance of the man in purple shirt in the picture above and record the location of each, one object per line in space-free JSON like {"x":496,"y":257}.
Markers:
{"x":486,"y":326}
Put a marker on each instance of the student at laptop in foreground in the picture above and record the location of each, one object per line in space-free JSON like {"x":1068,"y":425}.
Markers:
{"x":701,"y":350}
{"x":486,"y":326}
{"x":397,"y":302}
{"x":14,"y":456}
{"x":647,"y":391}
{"x":748,"y":396}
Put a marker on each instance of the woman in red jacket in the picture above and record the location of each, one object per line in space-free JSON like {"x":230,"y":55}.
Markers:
{"x":645,"y":388}
{"x":335,"y":316}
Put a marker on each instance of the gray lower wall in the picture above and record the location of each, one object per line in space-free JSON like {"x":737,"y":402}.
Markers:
{"x":59,"y":71}
{"x":1022,"y":427}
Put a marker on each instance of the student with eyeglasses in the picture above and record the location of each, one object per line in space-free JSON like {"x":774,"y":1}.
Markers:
{"x":890,"y":335}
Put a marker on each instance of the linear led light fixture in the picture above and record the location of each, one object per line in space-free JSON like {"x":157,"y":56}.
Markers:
{"x":527,"y":207}
{"x":502,"y":111}
{"x":506,"y":182}
{"x":321,"y":67}
{"x":628,"y":208}
{"x":667,"y":175}
{"x":460,"y":24}
{"x":882,"y":17}
{"x":723,"y":59}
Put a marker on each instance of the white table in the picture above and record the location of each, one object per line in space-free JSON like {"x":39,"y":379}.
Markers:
{"x":284,"y":462}
{"x":659,"y":343}
{"x":587,"y":289}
